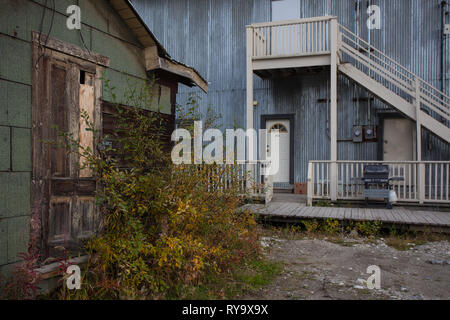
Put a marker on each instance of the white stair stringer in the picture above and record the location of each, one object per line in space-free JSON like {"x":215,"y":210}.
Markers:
{"x":395,"y":100}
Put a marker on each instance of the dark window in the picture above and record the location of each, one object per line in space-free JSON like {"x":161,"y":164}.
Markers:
{"x":82,"y":77}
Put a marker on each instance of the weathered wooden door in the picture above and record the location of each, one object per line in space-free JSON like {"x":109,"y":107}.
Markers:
{"x":63,"y":192}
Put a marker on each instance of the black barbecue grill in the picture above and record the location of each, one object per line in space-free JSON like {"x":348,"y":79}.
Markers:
{"x":377,"y":183}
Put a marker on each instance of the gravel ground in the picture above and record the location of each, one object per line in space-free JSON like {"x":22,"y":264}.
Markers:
{"x":336,"y":269}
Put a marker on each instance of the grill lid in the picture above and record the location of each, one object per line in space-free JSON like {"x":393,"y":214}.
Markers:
{"x":376,"y":170}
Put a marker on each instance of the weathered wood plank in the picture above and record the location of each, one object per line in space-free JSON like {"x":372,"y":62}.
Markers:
{"x":340,"y":214}
{"x":389,"y":215}
{"x":395,"y":216}
{"x":442,"y":217}
{"x":398,"y":216}
{"x":313,"y":212}
{"x":70,"y":49}
{"x":439,"y":217}
{"x":417,"y":218}
{"x":299,"y":211}
{"x":348,"y":213}
{"x":426,"y":216}
{"x":321,"y":212}
{"x":363,"y":215}
{"x":357,"y":214}
{"x":296,"y":207}
{"x":87,"y":103}
{"x":405,"y":217}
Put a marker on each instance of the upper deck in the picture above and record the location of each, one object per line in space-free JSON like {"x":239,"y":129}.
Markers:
{"x":290,"y":44}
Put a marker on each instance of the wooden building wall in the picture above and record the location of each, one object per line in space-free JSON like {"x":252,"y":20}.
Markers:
{"x":104,"y":33}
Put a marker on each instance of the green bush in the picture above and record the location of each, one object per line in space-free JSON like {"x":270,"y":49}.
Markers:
{"x":164,"y":229}
{"x":369,"y":228}
{"x":331,"y":226}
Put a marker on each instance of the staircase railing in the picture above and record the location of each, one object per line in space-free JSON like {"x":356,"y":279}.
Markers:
{"x":393,"y":75}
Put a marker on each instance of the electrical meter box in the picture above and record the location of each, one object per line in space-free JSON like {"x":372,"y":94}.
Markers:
{"x":370,"y":133}
{"x":358,"y":134}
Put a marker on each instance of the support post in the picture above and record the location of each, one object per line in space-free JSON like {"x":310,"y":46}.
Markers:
{"x":249,"y":78}
{"x":421,"y":166}
{"x":418,"y":122}
{"x":333,"y":106}
{"x":310,"y":184}
{"x":249,"y":107}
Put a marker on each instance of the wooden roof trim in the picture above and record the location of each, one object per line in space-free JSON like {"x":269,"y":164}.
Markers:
{"x":70,"y":49}
{"x":181,"y":69}
{"x":156,"y":56}
{"x":187,"y":75}
{"x":134,"y":21}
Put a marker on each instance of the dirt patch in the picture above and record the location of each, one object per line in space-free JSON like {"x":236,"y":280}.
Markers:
{"x":336,"y":269}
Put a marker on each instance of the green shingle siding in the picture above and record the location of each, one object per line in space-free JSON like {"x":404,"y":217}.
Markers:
{"x":15,"y":104}
{"x":15,"y":62}
{"x":105,"y":33}
{"x":21,"y":149}
{"x":3,"y":241}
{"x":5,"y":148}
{"x":14,"y":194}
{"x":18,"y":236}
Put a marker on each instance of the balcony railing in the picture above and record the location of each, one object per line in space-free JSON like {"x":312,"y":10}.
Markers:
{"x":291,"y":38}
{"x":423,"y":182}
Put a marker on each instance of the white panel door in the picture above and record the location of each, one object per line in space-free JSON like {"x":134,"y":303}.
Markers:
{"x":398,"y":135}
{"x":282,"y":176}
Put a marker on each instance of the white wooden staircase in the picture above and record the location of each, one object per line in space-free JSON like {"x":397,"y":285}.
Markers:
{"x":289,"y":47}
{"x":286,"y":46}
{"x":394,"y":84}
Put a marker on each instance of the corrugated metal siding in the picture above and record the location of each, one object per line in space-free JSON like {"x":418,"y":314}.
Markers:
{"x":210,"y":36}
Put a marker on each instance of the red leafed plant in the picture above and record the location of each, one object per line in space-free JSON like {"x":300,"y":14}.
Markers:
{"x":22,"y":284}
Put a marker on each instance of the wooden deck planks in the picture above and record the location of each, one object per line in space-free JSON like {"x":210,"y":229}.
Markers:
{"x":442,"y":217}
{"x":398,"y":215}
{"x":322,"y":213}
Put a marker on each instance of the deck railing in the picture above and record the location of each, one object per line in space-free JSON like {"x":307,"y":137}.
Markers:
{"x":291,"y":38}
{"x":259,"y":184}
{"x":423,"y":182}
{"x":247,"y":177}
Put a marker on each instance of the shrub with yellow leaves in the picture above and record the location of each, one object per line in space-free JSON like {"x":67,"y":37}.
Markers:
{"x":165,"y":229}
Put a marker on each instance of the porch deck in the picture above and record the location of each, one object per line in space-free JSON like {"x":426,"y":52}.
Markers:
{"x":292,"y":212}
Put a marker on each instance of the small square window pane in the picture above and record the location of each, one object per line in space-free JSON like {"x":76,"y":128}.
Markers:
{"x":285,"y":10}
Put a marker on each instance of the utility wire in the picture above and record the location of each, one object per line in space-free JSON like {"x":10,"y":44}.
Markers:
{"x":41,"y":27}
{"x":85,"y":46}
